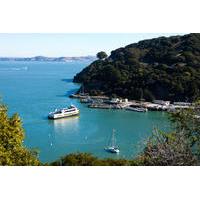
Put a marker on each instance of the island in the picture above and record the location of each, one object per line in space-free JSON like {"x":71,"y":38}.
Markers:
{"x":166,"y":68}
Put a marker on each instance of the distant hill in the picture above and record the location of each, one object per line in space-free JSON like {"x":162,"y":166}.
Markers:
{"x":165,"y":68}
{"x":43,"y":58}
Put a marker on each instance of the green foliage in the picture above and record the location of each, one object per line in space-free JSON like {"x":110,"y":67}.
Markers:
{"x":171,"y":149}
{"x":161,"y":68}
{"x":86,"y":159}
{"x":101,"y":55}
{"x":12,"y":151}
{"x":188,"y":122}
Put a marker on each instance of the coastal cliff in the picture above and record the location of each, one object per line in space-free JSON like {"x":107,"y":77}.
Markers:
{"x":165,"y":68}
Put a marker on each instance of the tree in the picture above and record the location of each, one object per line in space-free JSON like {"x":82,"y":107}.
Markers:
{"x":86,"y":159}
{"x":180,"y":147}
{"x":12,"y":151}
{"x":188,"y":122}
{"x":167,"y":149}
{"x":101,"y":55}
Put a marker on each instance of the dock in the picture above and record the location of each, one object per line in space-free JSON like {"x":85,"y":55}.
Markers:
{"x":105,"y":102}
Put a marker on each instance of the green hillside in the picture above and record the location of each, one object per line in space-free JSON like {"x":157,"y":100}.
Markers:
{"x":165,"y":68}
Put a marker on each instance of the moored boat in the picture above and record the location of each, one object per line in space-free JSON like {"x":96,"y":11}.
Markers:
{"x":112,"y":148}
{"x":86,"y":100}
{"x":64,"y":112}
{"x":138,"y":109}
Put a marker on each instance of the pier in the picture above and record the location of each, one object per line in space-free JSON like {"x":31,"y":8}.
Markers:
{"x":105,"y":102}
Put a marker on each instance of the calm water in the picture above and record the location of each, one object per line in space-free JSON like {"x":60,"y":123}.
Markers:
{"x":34,"y":88}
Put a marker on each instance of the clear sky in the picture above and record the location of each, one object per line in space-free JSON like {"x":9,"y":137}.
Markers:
{"x":77,"y":44}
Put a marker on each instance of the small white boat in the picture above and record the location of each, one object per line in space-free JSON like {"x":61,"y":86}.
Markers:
{"x":137,"y":109}
{"x":64,"y":112}
{"x":112,"y":148}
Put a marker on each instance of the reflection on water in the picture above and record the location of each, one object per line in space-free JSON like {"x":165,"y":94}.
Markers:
{"x":66,"y":125}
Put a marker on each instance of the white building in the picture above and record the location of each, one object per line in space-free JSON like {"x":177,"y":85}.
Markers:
{"x":125,"y":100}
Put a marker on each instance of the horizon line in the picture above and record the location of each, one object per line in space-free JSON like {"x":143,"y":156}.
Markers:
{"x":45,"y":56}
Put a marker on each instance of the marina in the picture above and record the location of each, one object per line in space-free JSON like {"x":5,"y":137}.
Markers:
{"x":87,"y":132}
{"x":105,"y":102}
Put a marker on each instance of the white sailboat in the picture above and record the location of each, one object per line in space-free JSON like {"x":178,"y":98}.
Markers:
{"x":112,"y":148}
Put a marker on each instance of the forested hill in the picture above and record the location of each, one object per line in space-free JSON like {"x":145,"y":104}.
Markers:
{"x":165,"y":68}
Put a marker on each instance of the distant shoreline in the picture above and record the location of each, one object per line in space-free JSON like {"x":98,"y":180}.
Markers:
{"x":52,"y":59}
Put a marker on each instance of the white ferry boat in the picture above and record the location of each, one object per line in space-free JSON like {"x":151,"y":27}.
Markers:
{"x":64,"y":112}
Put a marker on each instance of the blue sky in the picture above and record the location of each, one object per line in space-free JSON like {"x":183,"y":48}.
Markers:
{"x":77,"y":44}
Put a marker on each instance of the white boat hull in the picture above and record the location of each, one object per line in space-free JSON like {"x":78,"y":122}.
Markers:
{"x":112,"y":149}
{"x":63,"y":115}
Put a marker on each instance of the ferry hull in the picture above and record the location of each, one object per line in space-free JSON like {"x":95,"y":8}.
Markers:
{"x":59,"y":116}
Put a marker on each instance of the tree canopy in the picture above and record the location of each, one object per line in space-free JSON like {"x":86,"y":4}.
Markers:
{"x":12,"y":150}
{"x":165,"y":68}
{"x":101,"y":55}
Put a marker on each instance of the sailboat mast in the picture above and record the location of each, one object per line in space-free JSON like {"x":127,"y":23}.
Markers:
{"x":113,"y":138}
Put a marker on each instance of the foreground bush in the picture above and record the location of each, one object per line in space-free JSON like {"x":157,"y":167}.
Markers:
{"x":86,"y":159}
{"x":172,"y":149}
{"x":12,"y":151}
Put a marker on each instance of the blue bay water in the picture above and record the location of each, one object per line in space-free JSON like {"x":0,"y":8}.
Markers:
{"x":33,"y":89}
